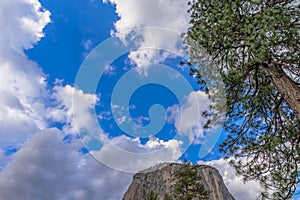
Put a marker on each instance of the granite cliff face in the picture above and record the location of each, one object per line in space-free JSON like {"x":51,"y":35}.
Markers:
{"x":161,"y":179}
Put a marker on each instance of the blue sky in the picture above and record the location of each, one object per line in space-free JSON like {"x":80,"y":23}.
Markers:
{"x":63,"y":128}
{"x":72,"y":34}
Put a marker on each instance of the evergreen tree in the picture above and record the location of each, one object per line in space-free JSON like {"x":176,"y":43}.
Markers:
{"x":167,"y":197}
{"x":255,"y":45}
{"x":152,"y":195}
{"x":188,"y":184}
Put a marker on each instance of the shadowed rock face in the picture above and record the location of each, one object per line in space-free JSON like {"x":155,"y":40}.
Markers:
{"x":161,"y":180}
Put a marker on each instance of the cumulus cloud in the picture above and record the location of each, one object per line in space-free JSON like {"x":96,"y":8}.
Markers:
{"x":187,"y":118}
{"x":3,"y":160}
{"x":129,"y":155}
{"x":21,"y":24}
{"x":170,"y":19}
{"x":27,"y":102}
{"x":22,"y":83}
{"x":240,"y":190}
{"x":22,"y":102}
{"x":47,"y":168}
{"x":73,"y":108}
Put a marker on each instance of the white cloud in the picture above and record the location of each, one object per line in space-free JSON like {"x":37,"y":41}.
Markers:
{"x":22,"y":84}
{"x":105,"y":115}
{"x":74,"y":108}
{"x":141,"y":120}
{"x":109,"y":70}
{"x":22,"y":103}
{"x":21,"y":24}
{"x":26,"y":102}
{"x":46,"y":168}
{"x":188,"y":118}
{"x":240,"y":190}
{"x":86,"y":44}
{"x":129,"y":155}
{"x":170,"y":19}
{"x":3,"y":160}
{"x":121,"y":120}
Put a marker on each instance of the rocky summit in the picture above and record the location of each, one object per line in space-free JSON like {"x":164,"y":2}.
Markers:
{"x":161,"y":180}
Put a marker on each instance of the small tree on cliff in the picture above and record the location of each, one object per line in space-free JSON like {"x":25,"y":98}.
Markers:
{"x":152,"y":195}
{"x":188,"y":184}
{"x":167,"y":197}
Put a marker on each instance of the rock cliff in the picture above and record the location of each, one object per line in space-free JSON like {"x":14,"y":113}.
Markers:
{"x":161,"y":179}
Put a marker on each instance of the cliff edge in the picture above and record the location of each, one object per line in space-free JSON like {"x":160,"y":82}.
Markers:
{"x":161,"y":179}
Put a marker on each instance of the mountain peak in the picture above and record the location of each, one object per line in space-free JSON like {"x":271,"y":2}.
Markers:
{"x":161,"y":179}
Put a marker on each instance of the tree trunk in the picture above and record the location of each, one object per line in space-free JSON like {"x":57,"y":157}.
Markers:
{"x":289,"y":89}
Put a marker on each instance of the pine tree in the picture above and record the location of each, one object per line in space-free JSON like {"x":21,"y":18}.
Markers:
{"x":255,"y":45}
{"x":152,"y":195}
{"x":167,"y":197}
{"x":188,"y":184}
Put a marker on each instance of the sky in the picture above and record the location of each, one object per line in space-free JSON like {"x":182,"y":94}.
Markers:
{"x":92,"y":92}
